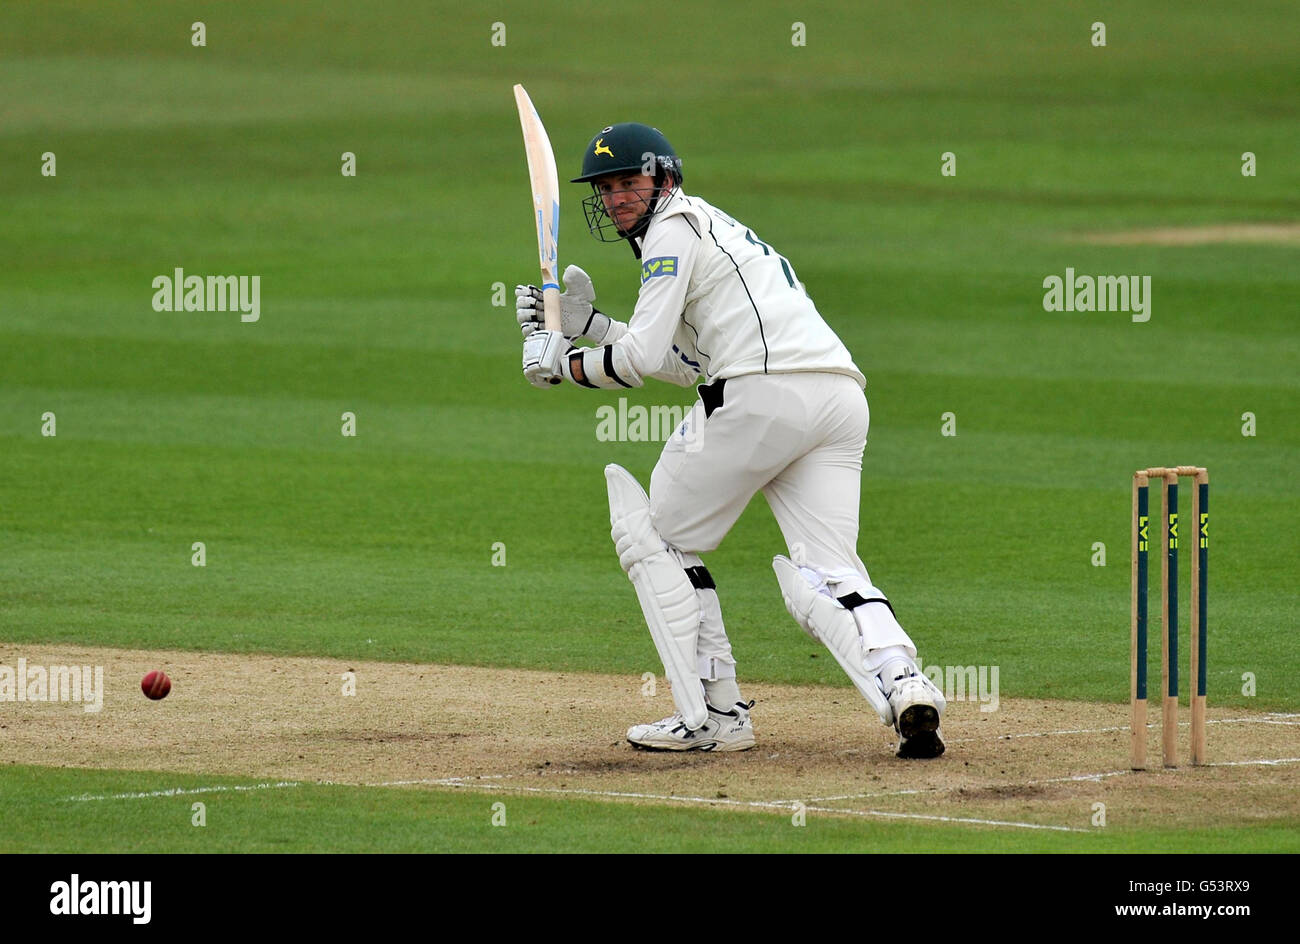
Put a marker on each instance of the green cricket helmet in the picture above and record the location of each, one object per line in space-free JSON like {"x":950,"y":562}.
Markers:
{"x":626,"y":148}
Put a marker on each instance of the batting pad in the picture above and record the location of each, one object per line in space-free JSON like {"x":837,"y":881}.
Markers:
{"x":668,"y":599}
{"x":834,"y":627}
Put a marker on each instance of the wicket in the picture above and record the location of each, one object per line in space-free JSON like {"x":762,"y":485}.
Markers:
{"x":1169,"y":612}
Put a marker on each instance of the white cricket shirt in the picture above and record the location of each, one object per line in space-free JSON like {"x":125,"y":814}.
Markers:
{"x":722,"y":303}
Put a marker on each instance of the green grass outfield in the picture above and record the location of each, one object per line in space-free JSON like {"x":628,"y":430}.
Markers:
{"x":74,"y":811}
{"x":377,"y":298}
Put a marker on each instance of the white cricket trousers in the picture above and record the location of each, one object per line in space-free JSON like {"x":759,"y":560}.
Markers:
{"x":798,"y":438}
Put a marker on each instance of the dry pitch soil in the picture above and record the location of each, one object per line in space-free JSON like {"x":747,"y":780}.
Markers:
{"x":1029,"y":763}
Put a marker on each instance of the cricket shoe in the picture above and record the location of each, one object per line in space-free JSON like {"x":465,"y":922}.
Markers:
{"x":721,"y":731}
{"x":917,"y":705}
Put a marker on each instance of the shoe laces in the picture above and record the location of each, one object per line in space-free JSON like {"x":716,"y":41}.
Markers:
{"x":672,"y":722}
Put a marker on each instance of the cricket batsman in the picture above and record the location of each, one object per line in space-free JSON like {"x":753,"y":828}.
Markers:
{"x":781,"y":411}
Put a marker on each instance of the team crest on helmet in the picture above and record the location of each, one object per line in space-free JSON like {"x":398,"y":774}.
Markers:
{"x":622,"y":151}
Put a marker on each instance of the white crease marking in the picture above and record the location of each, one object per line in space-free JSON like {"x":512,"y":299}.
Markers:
{"x":1111,"y":730}
{"x":181,"y":791}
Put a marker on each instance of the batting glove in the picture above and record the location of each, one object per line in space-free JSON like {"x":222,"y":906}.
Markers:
{"x":543,"y":357}
{"x":578,"y":318}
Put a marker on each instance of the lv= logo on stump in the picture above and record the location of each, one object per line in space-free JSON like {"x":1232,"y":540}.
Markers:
{"x":1169,"y":612}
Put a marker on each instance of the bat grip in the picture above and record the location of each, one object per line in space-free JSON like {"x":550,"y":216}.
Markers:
{"x":551,"y":307}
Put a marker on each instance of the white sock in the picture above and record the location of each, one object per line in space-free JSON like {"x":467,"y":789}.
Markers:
{"x":721,"y":693}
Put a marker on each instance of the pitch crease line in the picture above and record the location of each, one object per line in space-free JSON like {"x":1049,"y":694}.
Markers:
{"x":440,"y":782}
{"x":181,"y":791}
{"x":920,"y":790}
{"x":1251,"y":763}
{"x":952,"y":819}
{"x":1111,"y":730}
{"x":784,"y":805}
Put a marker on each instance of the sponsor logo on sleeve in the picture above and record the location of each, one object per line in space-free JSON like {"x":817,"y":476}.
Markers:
{"x":662,"y":265}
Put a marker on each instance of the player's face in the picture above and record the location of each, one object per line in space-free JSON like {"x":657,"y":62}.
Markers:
{"x":626,"y":197}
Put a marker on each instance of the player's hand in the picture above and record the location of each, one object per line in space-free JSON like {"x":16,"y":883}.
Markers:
{"x":578,"y":318}
{"x":543,"y":352}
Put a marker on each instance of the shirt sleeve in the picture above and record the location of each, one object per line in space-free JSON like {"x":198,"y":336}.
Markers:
{"x":668,"y":257}
{"x":667,"y":261}
{"x":675,"y":370}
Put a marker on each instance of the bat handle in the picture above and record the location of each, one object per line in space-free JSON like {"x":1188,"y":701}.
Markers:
{"x":551,"y":306}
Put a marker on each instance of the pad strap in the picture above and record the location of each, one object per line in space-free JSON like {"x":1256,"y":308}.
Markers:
{"x":700,"y":578}
{"x":853,"y":600}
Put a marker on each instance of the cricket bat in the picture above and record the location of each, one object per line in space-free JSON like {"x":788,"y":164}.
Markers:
{"x":546,"y":204}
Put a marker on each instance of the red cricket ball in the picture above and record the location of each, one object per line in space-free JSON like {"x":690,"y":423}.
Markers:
{"x":156,"y":685}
